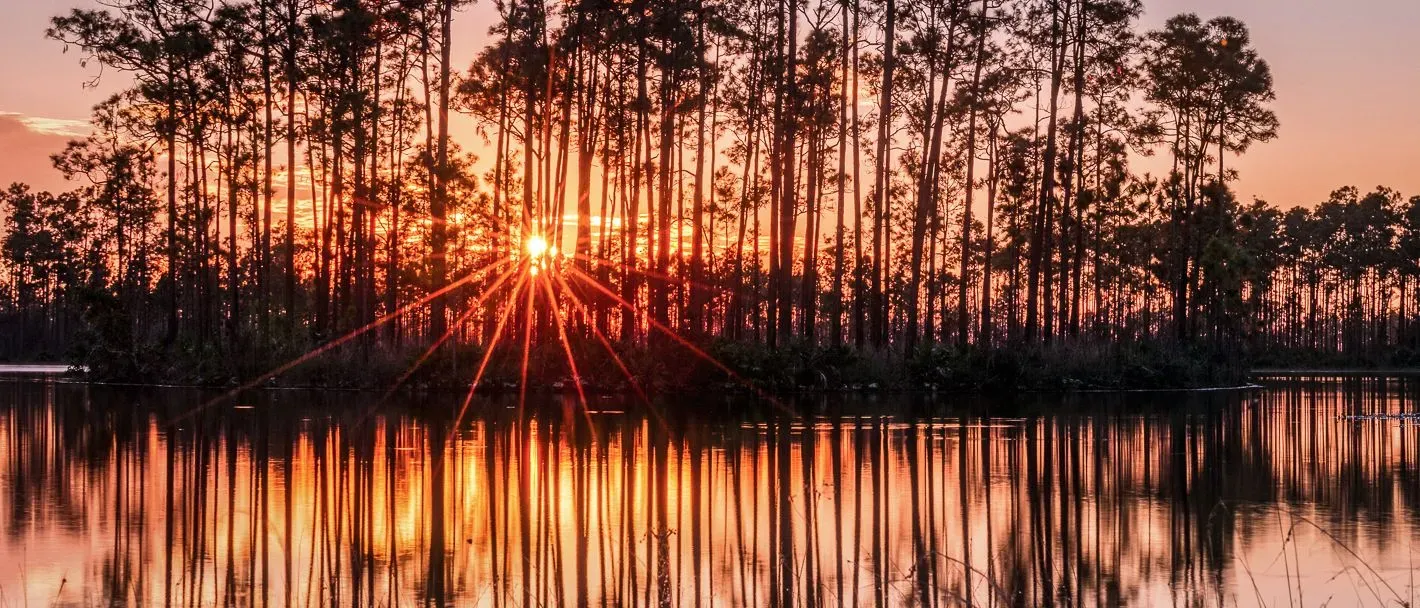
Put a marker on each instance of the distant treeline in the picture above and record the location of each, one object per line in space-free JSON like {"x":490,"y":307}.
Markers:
{"x":885,"y":177}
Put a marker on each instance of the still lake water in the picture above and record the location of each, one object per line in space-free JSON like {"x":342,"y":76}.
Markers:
{"x":1275,"y":496}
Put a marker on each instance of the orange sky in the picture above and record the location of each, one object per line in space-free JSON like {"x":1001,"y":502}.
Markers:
{"x":1347,"y":77}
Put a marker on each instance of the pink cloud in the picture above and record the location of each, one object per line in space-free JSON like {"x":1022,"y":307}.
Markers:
{"x":25,"y":145}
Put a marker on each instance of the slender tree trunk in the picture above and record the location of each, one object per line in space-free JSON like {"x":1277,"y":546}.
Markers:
{"x":878,"y":300}
{"x":963,"y":330}
{"x":927,"y":216}
{"x":660,"y":303}
{"x":924,"y":209}
{"x":291,"y":78}
{"x":789,"y":182}
{"x":835,"y":321}
{"x":633,"y":214}
{"x":696,"y":311}
{"x":1070,"y":264}
{"x":172,"y":249}
{"x":1040,"y":255}
{"x":808,"y":292}
{"x":439,"y":200}
{"x":860,"y":299}
{"x":264,"y":252}
{"x":233,"y":271}
{"x":985,"y":333}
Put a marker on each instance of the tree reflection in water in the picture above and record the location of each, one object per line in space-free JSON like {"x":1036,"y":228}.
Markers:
{"x":311,"y":500}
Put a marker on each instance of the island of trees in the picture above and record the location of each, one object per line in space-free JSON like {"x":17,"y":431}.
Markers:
{"x":946,"y":188}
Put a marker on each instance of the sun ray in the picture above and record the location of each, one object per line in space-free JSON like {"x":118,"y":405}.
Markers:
{"x":463,"y":318}
{"x":567,"y":348}
{"x":488,"y":352}
{"x":651,"y":274}
{"x":616,"y":358}
{"x":429,"y":352}
{"x":324,"y":348}
{"x":682,"y":341}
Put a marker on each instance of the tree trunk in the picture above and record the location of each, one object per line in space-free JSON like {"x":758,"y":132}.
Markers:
{"x":984,"y":335}
{"x":835,"y":321}
{"x":878,"y":300}
{"x":1040,"y":255}
{"x":439,"y":200}
{"x":291,"y":76}
{"x":963,"y":330}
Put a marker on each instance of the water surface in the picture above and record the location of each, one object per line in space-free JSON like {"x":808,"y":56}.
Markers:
{"x":1277,"y":497}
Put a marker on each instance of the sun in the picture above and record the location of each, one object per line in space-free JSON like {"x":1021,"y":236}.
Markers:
{"x":539,"y":251}
{"x":537,"y":247}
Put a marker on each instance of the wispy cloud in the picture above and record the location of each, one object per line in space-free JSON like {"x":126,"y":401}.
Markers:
{"x":43,"y":125}
{"x":25,"y":145}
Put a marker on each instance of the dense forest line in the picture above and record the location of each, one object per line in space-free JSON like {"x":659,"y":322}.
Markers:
{"x":891,"y":179}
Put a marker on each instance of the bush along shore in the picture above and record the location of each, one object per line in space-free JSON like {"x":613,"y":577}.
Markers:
{"x":669,"y":366}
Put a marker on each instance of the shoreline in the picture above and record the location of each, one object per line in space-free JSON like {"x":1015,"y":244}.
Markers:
{"x":1352,"y":372}
{"x":542,"y":391}
{"x":65,"y":374}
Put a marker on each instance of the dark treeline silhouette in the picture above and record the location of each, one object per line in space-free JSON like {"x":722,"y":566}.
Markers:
{"x":884,"y":176}
{"x":1219,"y":499}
